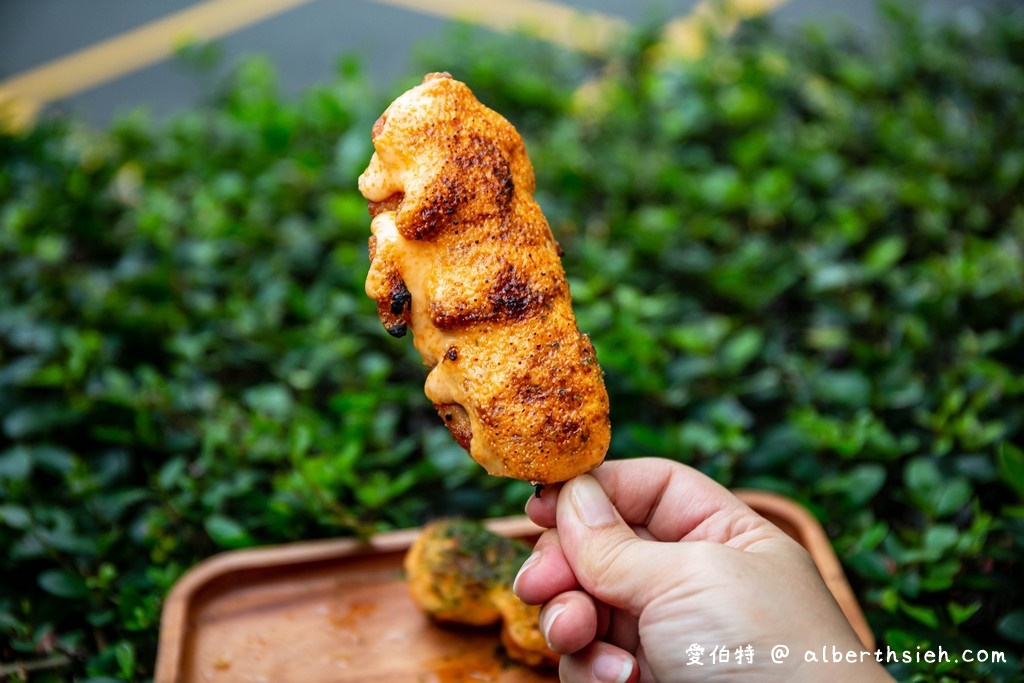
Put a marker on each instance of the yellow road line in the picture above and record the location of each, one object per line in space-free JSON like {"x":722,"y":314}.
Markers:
{"x":22,"y":96}
{"x":587,"y":31}
{"x":590,"y":31}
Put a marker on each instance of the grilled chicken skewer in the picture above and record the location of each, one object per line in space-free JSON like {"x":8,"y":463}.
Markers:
{"x":461,"y":254}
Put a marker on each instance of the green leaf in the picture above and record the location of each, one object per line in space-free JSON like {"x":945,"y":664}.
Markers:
{"x":272,"y":399}
{"x":939,"y":496}
{"x":846,"y":388}
{"x":884,"y":254}
{"x":63,"y":584}
{"x":924,"y":615}
{"x":53,"y":458}
{"x":301,"y":440}
{"x":15,"y":516}
{"x":1011,"y":626}
{"x":961,"y":613}
{"x":871,"y":565}
{"x":227,"y":532}
{"x":873,"y":536}
{"x":124,"y":652}
{"x":859,"y":485}
{"x":1011,"y":466}
{"x":922,"y":476}
{"x":939,"y":576}
{"x":101,"y":618}
{"x":742,"y":348}
{"x":940,"y":538}
{"x":36,"y":419}
{"x":701,"y":337}
{"x":15,"y":463}
{"x":952,"y":496}
{"x":171,"y":473}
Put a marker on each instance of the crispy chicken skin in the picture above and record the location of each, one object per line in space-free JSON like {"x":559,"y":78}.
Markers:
{"x":460,"y":572}
{"x":461,"y":254}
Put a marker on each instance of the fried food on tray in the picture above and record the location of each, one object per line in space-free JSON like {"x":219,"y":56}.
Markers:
{"x":460,"y":572}
{"x":461,"y":254}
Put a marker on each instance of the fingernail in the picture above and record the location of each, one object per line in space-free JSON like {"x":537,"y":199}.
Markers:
{"x":530,"y":561}
{"x":547,"y":619}
{"x":529,"y":502}
{"x":612,"y":669}
{"x":590,"y":502}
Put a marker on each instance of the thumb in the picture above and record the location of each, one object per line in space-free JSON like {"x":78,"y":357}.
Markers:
{"x":608,"y":559}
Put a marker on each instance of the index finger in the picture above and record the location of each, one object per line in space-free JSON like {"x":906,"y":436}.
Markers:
{"x":670,"y":500}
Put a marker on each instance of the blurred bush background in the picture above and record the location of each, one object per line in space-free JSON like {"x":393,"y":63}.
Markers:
{"x":801,"y":259}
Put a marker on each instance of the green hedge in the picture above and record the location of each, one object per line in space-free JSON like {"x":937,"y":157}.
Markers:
{"x":801,"y":259}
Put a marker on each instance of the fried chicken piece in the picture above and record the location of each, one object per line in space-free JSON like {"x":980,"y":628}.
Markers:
{"x":461,"y":254}
{"x":460,"y":572}
{"x":520,"y":629}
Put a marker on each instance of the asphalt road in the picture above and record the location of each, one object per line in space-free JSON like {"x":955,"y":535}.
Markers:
{"x":304,"y":43}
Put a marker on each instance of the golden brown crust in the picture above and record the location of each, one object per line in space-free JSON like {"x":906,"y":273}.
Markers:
{"x":456,"y":419}
{"x":520,"y":631}
{"x":390,"y":204}
{"x":448,"y":577}
{"x":462,"y":254}
{"x":460,"y":572}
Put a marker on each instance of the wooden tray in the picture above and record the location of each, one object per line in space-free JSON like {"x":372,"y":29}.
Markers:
{"x":339,"y":611}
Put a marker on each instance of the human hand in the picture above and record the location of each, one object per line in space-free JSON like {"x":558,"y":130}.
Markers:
{"x":643,"y":558}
